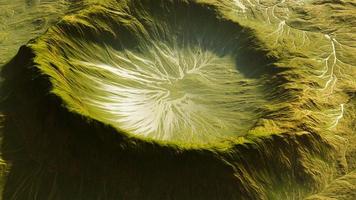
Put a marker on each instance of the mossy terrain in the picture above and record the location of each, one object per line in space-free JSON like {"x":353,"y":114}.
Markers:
{"x":183,"y":99}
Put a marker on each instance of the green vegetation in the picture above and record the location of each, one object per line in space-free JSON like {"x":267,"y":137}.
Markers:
{"x":183,"y":99}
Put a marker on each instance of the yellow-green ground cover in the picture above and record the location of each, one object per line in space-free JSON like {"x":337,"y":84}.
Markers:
{"x":181,"y":99}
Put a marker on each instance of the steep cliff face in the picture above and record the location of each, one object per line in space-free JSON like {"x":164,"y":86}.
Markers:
{"x":180,"y":99}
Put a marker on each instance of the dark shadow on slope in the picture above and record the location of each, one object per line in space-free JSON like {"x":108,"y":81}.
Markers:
{"x":55,"y":154}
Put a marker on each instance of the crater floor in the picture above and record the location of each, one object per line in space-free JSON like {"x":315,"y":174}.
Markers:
{"x":170,"y":93}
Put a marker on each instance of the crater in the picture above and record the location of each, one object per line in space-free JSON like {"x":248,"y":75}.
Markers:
{"x":172,"y":71}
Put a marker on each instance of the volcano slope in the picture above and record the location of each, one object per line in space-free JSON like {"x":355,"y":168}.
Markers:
{"x":180,"y":99}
